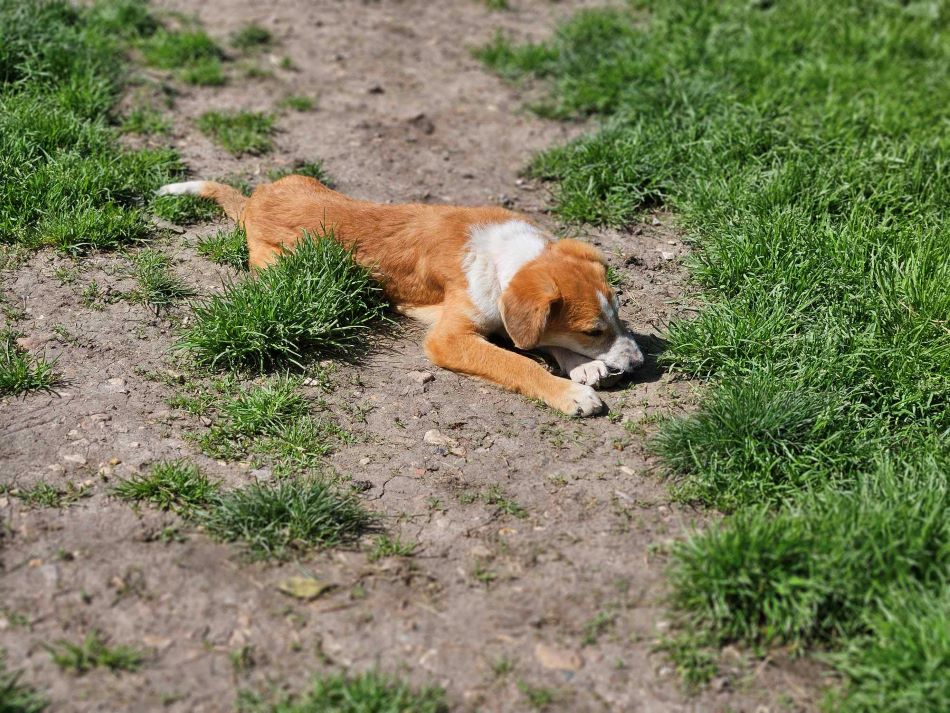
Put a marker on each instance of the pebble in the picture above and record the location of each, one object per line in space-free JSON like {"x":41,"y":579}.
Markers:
{"x":556,"y":658}
{"x":76,"y":458}
{"x":437,"y":438}
{"x":365,"y":461}
{"x":667,"y":255}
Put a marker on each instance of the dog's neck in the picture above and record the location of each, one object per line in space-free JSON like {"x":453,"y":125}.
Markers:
{"x":495,"y":254}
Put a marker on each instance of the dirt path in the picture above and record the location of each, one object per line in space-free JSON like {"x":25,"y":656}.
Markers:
{"x":570,"y":595}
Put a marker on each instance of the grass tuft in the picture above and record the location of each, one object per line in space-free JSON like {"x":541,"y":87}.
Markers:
{"x":313,"y":302}
{"x":298,"y":102}
{"x":17,"y":697}
{"x":158,"y":286}
{"x":313,"y":169}
{"x":146,"y":120}
{"x":369,"y":692}
{"x":287,"y":517}
{"x":93,"y":652}
{"x":238,"y":132}
{"x":169,"y":49}
{"x":170,"y":485}
{"x":274,"y":419}
{"x":225,"y":247}
{"x":252,"y":37}
{"x":184,"y":209}
{"x":20,"y":371}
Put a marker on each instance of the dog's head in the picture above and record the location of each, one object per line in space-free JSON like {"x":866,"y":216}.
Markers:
{"x":563,"y":299}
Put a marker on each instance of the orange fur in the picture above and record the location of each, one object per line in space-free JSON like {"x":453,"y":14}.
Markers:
{"x":417,"y":252}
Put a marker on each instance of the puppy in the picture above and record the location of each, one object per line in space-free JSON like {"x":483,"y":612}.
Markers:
{"x":467,"y":272}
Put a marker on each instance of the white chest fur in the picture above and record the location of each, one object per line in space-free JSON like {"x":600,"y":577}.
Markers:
{"x":495,"y":253}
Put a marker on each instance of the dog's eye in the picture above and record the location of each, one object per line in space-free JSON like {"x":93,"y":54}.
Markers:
{"x":594,"y":332}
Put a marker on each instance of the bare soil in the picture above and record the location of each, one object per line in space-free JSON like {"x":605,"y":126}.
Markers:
{"x":575,"y":600}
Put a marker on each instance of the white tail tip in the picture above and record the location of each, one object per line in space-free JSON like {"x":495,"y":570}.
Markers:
{"x":187,"y":188}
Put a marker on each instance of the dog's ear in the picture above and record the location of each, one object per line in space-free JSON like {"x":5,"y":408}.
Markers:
{"x":526,"y":307}
{"x":575,"y":248}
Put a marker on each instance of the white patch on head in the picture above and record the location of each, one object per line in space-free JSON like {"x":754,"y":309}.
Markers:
{"x":495,"y":254}
{"x":186,"y":188}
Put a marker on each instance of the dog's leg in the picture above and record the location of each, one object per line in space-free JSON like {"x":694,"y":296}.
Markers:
{"x":582,"y":369}
{"x":454,"y":344}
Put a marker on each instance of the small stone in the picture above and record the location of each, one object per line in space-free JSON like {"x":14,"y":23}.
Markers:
{"x":50,"y":574}
{"x":437,"y":438}
{"x":667,"y":255}
{"x":115,"y":461}
{"x":75,"y":458}
{"x":117,"y":381}
{"x":626,"y":471}
{"x":556,"y":658}
{"x":365,"y":461}
{"x":423,"y":123}
{"x":655,"y":221}
{"x":421,"y":377}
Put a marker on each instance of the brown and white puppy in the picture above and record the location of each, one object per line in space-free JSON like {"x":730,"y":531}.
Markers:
{"x":468,"y":273}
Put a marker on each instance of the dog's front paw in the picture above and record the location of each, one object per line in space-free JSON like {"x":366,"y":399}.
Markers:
{"x":580,"y":400}
{"x":591,"y":373}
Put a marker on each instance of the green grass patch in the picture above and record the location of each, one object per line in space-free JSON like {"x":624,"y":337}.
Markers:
{"x":94,"y":652}
{"x":313,"y":169}
{"x":20,"y":371}
{"x":48,"y":496}
{"x":172,"y":49}
{"x":298,"y":102}
{"x":146,"y":120}
{"x":238,"y":132}
{"x":313,"y":302}
{"x":251,"y":38}
{"x":225,"y":247}
{"x":369,"y":692}
{"x":284,"y":518}
{"x":273,"y":419}
{"x":385,"y":546}
{"x":16,"y":696}
{"x":158,"y":286}
{"x":184,"y":209}
{"x":205,"y":73}
{"x":171,"y":485}
{"x":802,"y":146}
{"x":65,"y":179}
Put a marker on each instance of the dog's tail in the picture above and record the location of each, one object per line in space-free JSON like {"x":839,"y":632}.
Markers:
{"x":231,"y":199}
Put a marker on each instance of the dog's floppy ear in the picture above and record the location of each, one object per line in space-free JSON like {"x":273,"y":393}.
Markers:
{"x":575,"y":248}
{"x":526,"y":306}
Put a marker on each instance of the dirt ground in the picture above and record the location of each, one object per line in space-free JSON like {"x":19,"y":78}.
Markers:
{"x":576,"y":604}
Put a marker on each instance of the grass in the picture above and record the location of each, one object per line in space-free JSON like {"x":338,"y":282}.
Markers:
{"x":311,"y":303}
{"x":298,"y":102}
{"x":170,"y":49}
{"x":287,"y":517}
{"x":251,"y":38}
{"x":169,"y":485}
{"x":20,"y":371}
{"x":225,"y":247}
{"x":369,"y":692}
{"x":48,"y":496}
{"x":184,"y":210}
{"x":273,"y":419}
{"x":801,"y":146}
{"x":146,"y":120}
{"x":385,"y":546}
{"x":66,"y":180}
{"x":238,"y":132}
{"x":17,"y":697}
{"x":313,"y":169}
{"x":157,"y":286}
{"x":93,"y":652}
